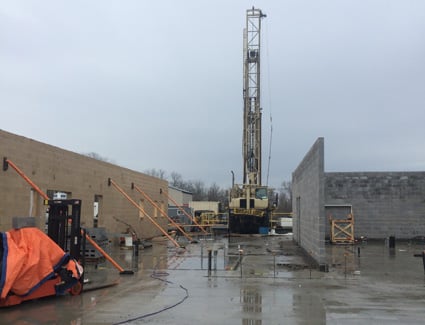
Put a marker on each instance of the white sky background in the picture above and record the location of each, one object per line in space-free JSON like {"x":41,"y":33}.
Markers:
{"x":158,"y":84}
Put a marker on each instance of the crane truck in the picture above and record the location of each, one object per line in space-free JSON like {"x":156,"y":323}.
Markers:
{"x":249,"y":203}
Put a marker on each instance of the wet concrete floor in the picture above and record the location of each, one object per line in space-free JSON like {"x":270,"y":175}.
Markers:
{"x":253,"y":280}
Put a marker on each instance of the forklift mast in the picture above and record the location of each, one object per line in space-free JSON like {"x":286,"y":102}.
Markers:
{"x":64,"y":225}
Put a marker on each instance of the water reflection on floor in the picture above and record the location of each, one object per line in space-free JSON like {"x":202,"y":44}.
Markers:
{"x":242,"y":280}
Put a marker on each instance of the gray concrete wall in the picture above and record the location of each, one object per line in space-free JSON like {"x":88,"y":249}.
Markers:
{"x":384,"y":203}
{"x":52,"y":168}
{"x":308,"y":203}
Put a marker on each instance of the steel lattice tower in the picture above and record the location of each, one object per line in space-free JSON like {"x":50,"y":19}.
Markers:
{"x":251,"y":97}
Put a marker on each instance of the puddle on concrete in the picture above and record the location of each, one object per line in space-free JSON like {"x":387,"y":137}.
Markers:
{"x":276,"y":286}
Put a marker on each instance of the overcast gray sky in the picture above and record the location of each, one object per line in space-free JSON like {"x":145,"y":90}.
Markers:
{"x":158,"y":84}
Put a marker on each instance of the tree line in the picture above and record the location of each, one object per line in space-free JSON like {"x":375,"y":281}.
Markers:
{"x":213,"y":192}
{"x":201,"y":192}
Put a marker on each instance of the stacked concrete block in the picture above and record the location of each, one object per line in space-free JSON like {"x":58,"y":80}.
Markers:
{"x":308,"y":204}
{"x":384,"y":203}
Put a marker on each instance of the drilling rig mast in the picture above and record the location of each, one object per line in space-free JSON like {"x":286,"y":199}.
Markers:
{"x":249,"y":206}
{"x":251,"y":98}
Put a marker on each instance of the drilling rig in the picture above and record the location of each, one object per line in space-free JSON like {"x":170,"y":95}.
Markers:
{"x":249,"y":206}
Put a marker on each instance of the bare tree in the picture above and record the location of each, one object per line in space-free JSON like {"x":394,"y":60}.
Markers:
{"x":159,"y":173}
{"x":97,"y":156}
{"x":176,"y":180}
{"x":213,"y":193}
{"x":285,"y":197}
{"x":198,"y":191}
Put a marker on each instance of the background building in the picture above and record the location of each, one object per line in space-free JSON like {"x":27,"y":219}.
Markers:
{"x":182,"y":198}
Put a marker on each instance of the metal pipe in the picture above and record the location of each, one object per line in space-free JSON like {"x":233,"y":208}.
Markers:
{"x":26,"y":178}
{"x":423,"y":259}
{"x":209,"y":262}
{"x":119,"y":189}
{"x":202,"y":256}
{"x":240,"y":258}
{"x":162,"y":212}
{"x":184,"y":212}
{"x":31,"y":202}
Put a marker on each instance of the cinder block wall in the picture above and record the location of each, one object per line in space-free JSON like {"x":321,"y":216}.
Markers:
{"x":308,"y":203}
{"x":52,"y":168}
{"x":384,"y":203}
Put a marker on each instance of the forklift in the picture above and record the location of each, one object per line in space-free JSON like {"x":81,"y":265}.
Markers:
{"x":35,"y":265}
{"x":63,"y":226}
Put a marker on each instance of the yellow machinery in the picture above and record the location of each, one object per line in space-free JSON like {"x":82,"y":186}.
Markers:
{"x":212,"y":219}
{"x":249,"y":206}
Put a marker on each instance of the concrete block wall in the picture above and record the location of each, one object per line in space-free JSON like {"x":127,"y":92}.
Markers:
{"x":308,"y":203}
{"x":384,"y":203}
{"x":52,"y":168}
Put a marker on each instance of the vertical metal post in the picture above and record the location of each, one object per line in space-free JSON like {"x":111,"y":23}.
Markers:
{"x":215,"y":260}
{"x":209,"y":262}
{"x":202,"y":256}
{"x":136,"y":247}
{"x":224,"y":256}
{"x":391,"y":244}
{"x":83,"y":247}
{"x":240,"y":260}
{"x":345,"y":265}
{"x":423,"y":259}
{"x":135,"y":254}
{"x":31,"y":202}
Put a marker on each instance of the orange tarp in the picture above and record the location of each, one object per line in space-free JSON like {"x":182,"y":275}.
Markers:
{"x":29,"y":259}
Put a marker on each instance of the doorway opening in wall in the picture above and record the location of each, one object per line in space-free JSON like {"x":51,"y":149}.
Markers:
{"x":339,"y":223}
{"x":97,"y":205}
